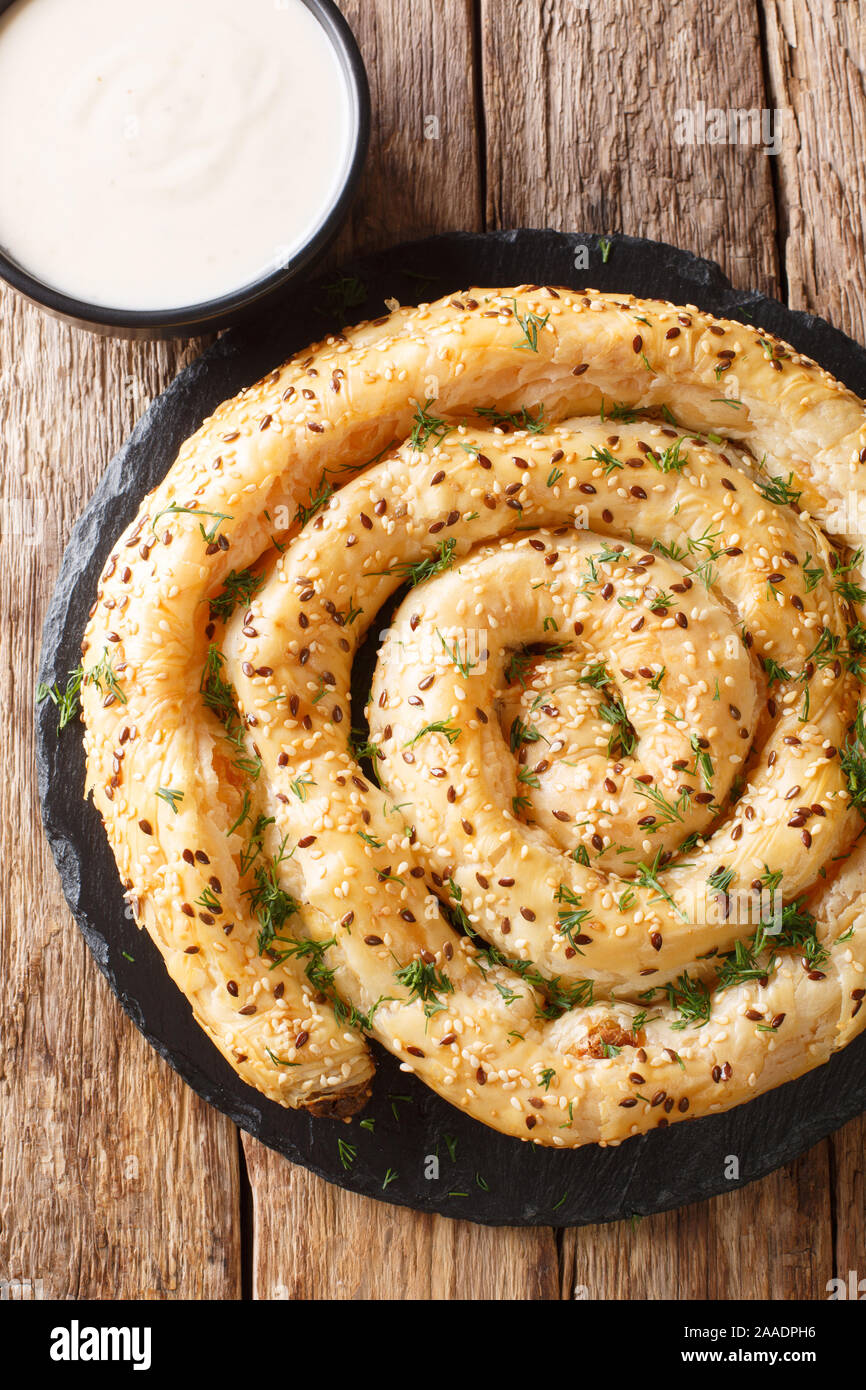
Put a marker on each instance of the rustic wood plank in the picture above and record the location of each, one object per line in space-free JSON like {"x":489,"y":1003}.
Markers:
{"x":772,"y":1240}
{"x":821,"y":172}
{"x":422,"y":173}
{"x":319,"y":1242}
{"x":822,"y":179}
{"x":579,"y":104}
{"x":312,"y":1240}
{"x":580,"y":100}
{"x":848,"y":1149}
{"x":117,"y":1181}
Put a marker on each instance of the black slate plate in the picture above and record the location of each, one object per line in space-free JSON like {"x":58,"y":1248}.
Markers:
{"x":481,"y":1175}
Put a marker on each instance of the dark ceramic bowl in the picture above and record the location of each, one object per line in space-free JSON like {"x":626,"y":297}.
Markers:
{"x":214,"y":314}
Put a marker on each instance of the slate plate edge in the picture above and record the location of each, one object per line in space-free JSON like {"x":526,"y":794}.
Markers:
{"x":112,"y":487}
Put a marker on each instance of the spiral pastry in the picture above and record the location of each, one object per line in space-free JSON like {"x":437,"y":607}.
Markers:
{"x":586,"y":857}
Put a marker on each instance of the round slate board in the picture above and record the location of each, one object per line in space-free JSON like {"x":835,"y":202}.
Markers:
{"x":480,"y":1175}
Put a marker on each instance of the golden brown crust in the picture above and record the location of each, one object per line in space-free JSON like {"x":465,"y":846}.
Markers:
{"x":341,"y":1106}
{"x":298,"y":906}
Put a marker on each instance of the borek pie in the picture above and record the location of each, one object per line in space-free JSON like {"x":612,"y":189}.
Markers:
{"x":592,"y":866}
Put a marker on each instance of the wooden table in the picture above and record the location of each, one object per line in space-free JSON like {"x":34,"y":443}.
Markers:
{"x":116,"y":1180}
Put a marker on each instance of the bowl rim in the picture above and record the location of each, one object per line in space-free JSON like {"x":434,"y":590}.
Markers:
{"x":223,"y":310}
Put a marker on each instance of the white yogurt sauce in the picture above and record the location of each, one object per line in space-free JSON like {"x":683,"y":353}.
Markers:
{"x":158,"y":153}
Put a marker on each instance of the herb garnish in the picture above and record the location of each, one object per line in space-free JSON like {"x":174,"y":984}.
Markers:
{"x":425,"y":982}
{"x":239,"y":587}
{"x":530,"y":324}
{"x":419,"y":570}
{"x":428,"y":426}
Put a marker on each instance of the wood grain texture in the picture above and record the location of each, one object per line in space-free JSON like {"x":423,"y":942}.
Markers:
{"x":115,"y":1180}
{"x":772,"y":1240}
{"x":423,"y":173}
{"x":581,"y":101}
{"x":821,"y":170}
{"x":322,"y":1243}
{"x":822,"y":183}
